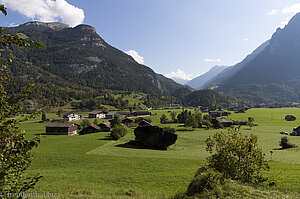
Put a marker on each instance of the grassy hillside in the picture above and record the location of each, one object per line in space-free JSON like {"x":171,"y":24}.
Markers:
{"x":93,"y":166}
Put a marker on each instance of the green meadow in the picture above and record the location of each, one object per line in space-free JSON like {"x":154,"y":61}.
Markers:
{"x":94,"y":166}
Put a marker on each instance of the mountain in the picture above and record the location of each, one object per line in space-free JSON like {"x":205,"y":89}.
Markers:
{"x":228,"y":72}
{"x":77,"y":62}
{"x":179,"y":80}
{"x":199,"y":81}
{"x":273,"y":74}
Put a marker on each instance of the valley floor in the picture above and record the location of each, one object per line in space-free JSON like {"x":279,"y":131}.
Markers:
{"x":93,"y":166}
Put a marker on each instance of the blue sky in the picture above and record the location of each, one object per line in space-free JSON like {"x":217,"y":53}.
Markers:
{"x":186,"y":37}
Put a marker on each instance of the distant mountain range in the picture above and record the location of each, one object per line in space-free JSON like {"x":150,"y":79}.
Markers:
{"x":270,"y":74}
{"x":198,"y":82}
{"x":78,"y":62}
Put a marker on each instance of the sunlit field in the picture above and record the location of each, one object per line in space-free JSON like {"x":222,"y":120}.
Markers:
{"x":93,"y":166}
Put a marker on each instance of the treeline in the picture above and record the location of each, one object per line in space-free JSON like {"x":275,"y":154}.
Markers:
{"x":202,"y":98}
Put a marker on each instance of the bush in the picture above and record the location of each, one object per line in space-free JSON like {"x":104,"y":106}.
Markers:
{"x":206,"y":180}
{"x":237,"y":157}
{"x":117,"y":132}
{"x":285,"y":144}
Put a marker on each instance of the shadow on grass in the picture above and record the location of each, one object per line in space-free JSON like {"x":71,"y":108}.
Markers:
{"x":185,"y":129}
{"x":40,"y":134}
{"x":132,"y":144}
{"x":278,"y":149}
{"x":106,"y":138}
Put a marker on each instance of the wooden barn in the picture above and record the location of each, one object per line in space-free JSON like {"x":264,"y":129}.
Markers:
{"x":61,"y":129}
{"x":93,"y":128}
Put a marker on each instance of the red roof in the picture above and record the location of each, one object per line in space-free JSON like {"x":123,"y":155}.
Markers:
{"x":95,"y":126}
{"x":61,"y":125}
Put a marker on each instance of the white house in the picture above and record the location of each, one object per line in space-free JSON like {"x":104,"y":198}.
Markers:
{"x":96,"y":114}
{"x":72,"y":116}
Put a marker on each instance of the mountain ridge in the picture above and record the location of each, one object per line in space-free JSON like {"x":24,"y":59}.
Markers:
{"x":274,"y":73}
{"x":79,"y":59}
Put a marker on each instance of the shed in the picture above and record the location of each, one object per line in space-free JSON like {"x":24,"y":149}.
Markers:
{"x":144,"y":123}
{"x":141,"y":113}
{"x":61,"y":129}
{"x":105,"y":126}
{"x":226,"y":122}
{"x":92,"y":128}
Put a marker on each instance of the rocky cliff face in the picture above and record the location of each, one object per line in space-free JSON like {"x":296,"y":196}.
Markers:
{"x":78,"y":58}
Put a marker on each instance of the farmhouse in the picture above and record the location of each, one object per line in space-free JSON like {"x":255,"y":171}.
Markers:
{"x":170,"y":121}
{"x":141,"y":113}
{"x":296,"y":131}
{"x":290,"y":118}
{"x":105,"y":126}
{"x":175,"y":106}
{"x":110,"y":115}
{"x":139,"y":119}
{"x":226,"y":122}
{"x":61,"y":129}
{"x":71,"y":116}
{"x":218,"y":113}
{"x":127,"y":121}
{"x":144,"y":123}
{"x":124,"y":114}
{"x":97,"y":114}
{"x":240,"y":111}
{"x":93,"y":128}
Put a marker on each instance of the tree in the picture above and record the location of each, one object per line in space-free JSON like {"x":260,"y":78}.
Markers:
{"x":95,"y":121}
{"x":15,"y":150}
{"x":173,"y":115}
{"x":44,"y":117}
{"x":285,"y":143}
{"x":250,"y":122}
{"x":59,"y":112}
{"x":117,"y":132}
{"x":237,"y":157}
{"x":84,"y":124}
{"x":191,"y":121}
{"x":163,"y":119}
{"x":116,"y":121}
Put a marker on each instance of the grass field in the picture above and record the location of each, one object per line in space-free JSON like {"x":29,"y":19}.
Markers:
{"x":93,"y":166}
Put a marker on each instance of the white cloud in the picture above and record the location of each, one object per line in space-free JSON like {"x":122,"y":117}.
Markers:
{"x":272,"y":12}
{"x":47,"y":10}
{"x":12,"y":25}
{"x":139,"y":59}
{"x":179,"y":74}
{"x":283,"y":23}
{"x":246,"y":39}
{"x":213,"y":60}
{"x":293,"y":9}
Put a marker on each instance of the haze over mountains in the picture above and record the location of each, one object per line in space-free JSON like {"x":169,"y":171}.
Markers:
{"x":271,"y":73}
{"x":199,"y":81}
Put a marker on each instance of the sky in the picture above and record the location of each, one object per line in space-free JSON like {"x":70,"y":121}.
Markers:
{"x":177,"y":38}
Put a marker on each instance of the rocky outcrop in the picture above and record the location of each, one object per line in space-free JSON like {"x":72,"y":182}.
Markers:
{"x":154,"y":137}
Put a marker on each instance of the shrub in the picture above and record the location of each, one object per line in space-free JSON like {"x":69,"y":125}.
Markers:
{"x":285,"y":144}
{"x":117,"y":132}
{"x":206,"y":180}
{"x":169,"y":130}
{"x":163,"y":119}
{"x":237,"y":157}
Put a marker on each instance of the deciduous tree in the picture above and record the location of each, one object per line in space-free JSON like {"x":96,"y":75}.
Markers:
{"x":15,"y":156}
